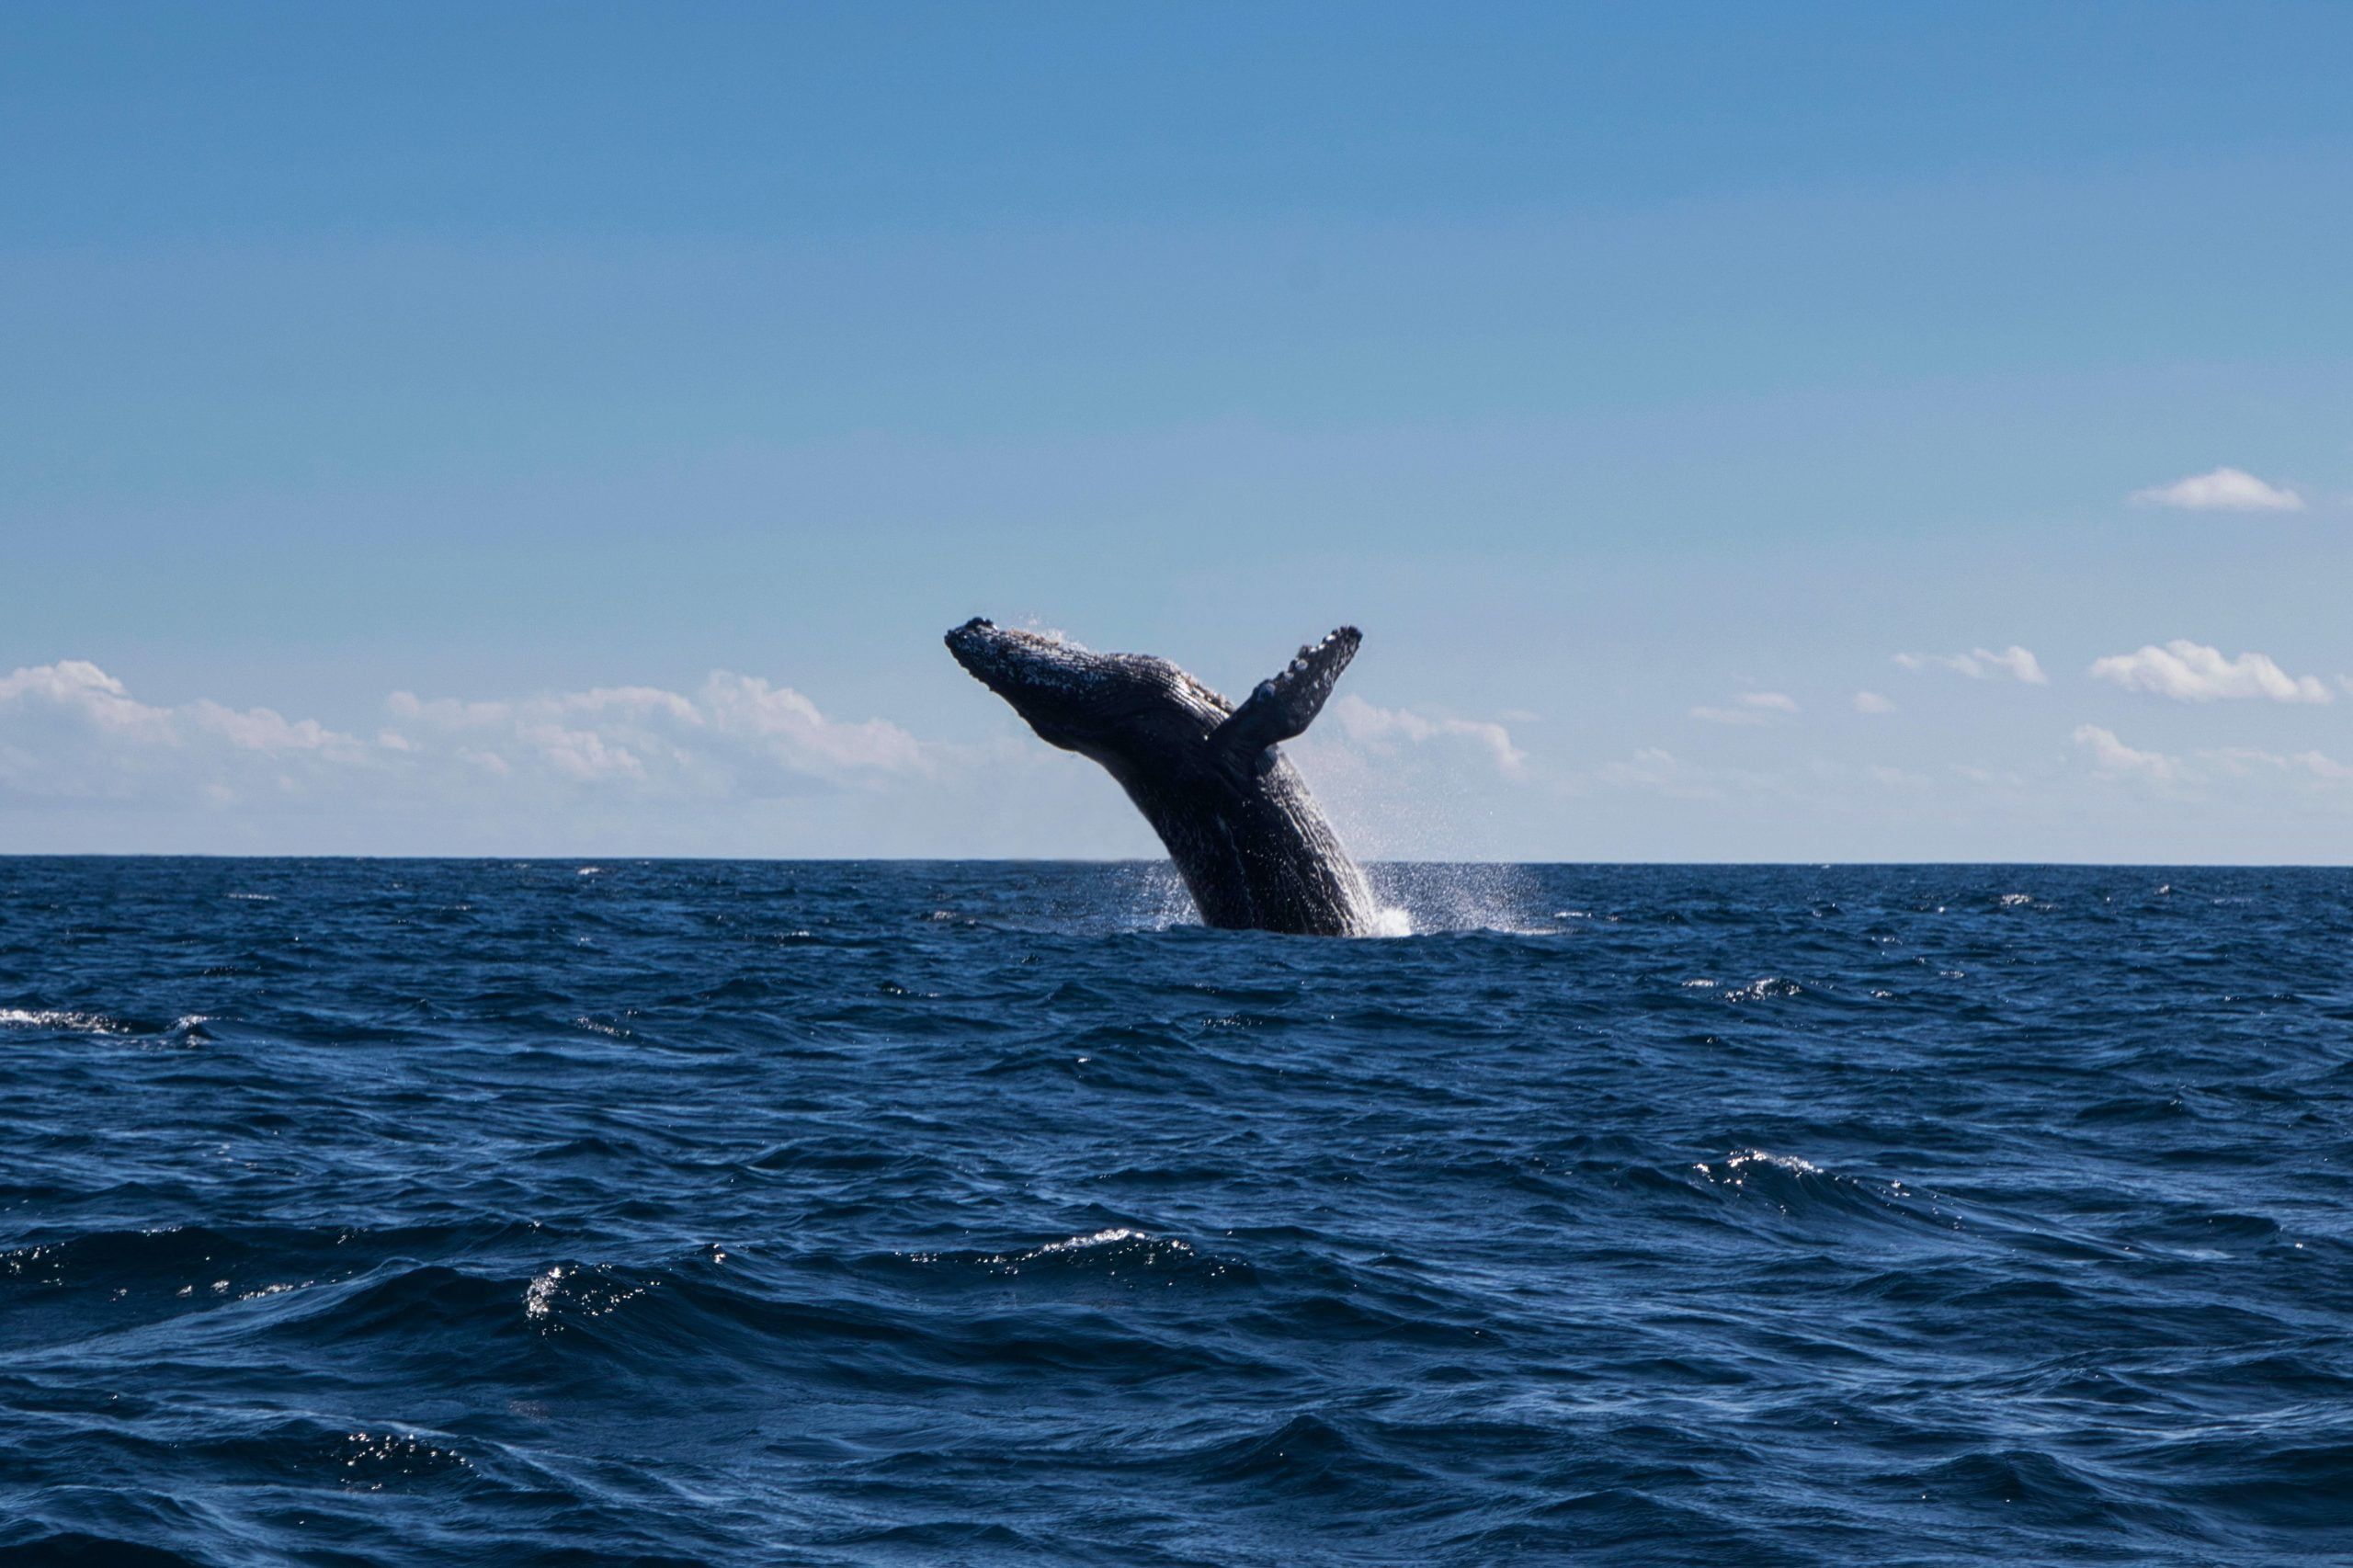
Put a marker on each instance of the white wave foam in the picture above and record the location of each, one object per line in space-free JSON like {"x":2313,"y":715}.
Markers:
{"x":56,"y":1018}
{"x":1741,"y":1164}
{"x":1154,"y":1248}
{"x":538,"y":1296}
{"x":1100,"y":1238}
{"x":1767,"y":985}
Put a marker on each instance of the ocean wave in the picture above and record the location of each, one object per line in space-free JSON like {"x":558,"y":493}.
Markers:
{"x":745,"y":1213}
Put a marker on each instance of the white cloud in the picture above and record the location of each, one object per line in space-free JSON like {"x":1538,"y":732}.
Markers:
{"x":77,"y":691}
{"x":69,"y":730}
{"x":1382,"y":728}
{"x":1872,"y":702}
{"x":1654,"y":771}
{"x":2243,"y":761}
{"x":735,"y":764}
{"x":1980,"y":664}
{"x":1752,"y":708}
{"x":2223,"y":490}
{"x":2192,"y":672}
{"x":2225,"y":772}
{"x":735,"y":734}
{"x":2112,"y":756}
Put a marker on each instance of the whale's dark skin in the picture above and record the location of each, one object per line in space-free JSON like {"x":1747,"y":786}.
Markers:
{"x":1210,"y":777}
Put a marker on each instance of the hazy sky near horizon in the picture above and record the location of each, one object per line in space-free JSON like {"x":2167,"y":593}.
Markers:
{"x":1795,"y":432}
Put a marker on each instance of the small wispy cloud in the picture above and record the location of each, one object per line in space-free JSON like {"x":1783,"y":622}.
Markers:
{"x":2112,"y":756}
{"x":2243,"y":761}
{"x":1748,"y":707}
{"x":1367,"y":726}
{"x":2315,"y":772}
{"x":2222,"y":490}
{"x":1872,"y":702}
{"x":2192,"y":672}
{"x":1981,"y":664}
{"x":1656,"y":771}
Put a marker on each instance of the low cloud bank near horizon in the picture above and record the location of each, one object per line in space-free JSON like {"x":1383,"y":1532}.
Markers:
{"x":2196,"y":774}
{"x":740,"y":764}
{"x":72,"y":730}
{"x":737,"y":758}
{"x":737,"y":764}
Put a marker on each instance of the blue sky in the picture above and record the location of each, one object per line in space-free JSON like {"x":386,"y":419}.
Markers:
{"x":568,"y":429}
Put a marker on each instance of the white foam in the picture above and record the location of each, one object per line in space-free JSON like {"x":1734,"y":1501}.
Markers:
{"x":1741,"y":1164}
{"x":1100,"y":1238}
{"x":538,"y":1296}
{"x":1762,"y":987}
{"x":1113,"y":1236}
{"x":55,"y":1019}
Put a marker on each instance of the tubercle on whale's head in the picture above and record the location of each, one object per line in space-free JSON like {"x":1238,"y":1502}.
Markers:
{"x":1080,"y":700}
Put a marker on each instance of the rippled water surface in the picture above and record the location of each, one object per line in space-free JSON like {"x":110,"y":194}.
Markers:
{"x":399,"y":1212}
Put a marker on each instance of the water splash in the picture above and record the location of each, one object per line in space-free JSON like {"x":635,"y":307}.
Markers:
{"x":1431,"y":897}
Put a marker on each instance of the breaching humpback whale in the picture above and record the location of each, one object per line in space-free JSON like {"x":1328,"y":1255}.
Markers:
{"x":1209,"y":777}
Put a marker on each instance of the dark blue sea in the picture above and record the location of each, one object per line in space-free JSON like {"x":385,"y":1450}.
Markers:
{"x":398,"y":1212}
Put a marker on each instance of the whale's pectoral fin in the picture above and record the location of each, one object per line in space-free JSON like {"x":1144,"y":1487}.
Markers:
{"x":1286,"y":702}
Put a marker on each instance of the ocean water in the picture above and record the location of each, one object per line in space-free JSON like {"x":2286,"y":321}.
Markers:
{"x":490,"y":1213}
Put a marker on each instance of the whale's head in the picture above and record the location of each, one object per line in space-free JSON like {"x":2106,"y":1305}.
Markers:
{"x":1120,"y":709}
